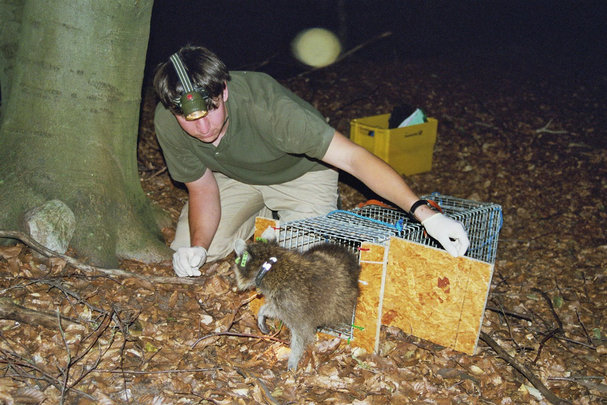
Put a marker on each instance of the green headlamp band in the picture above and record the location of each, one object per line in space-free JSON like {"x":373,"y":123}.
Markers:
{"x":193,"y":101}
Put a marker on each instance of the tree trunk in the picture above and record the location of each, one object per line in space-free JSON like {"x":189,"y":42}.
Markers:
{"x":69,"y":125}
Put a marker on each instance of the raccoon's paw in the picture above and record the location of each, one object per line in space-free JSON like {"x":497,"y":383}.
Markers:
{"x":261,"y":323}
{"x":292,"y":364}
{"x":294,"y":359}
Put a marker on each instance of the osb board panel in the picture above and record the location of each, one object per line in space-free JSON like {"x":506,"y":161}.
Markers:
{"x":434,"y":296}
{"x":261,"y":224}
{"x":368,"y":306}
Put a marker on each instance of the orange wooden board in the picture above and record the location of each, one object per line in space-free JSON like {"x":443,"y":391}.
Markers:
{"x":434,"y":296}
{"x":261,"y":224}
{"x":366,"y":330}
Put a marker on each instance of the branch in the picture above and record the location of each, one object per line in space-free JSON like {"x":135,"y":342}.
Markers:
{"x":553,"y":332}
{"x":246,"y":335}
{"x":550,"y":131}
{"x":602,"y":388}
{"x":549,"y":302}
{"x":65,"y":372}
{"x":9,"y":310}
{"x":17,"y":363}
{"x":264,"y":388}
{"x":95,"y":337}
{"x":139,"y":372}
{"x":227,"y":332}
{"x":90,"y":269}
{"x":537,"y":383}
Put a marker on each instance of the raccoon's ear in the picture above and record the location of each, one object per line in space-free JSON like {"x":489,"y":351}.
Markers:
{"x":239,"y":246}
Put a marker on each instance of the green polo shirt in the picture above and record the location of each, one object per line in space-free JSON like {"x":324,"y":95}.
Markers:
{"x":273,"y":136}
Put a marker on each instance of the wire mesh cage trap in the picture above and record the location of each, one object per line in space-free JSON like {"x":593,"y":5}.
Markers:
{"x":378,"y":223}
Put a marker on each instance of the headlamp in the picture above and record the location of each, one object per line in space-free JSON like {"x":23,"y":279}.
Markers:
{"x":193,"y":101}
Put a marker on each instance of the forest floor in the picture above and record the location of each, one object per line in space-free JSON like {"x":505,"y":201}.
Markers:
{"x":517,"y":130}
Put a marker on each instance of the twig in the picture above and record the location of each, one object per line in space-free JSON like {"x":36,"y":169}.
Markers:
{"x":602,"y":388}
{"x":68,"y":365}
{"x":247,"y":335}
{"x":102,"y":328}
{"x":584,"y":328}
{"x":553,"y":332}
{"x":68,"y":293}
{"x":518,"y":348}
{"x":537,"y":383}
{"x":546,"y":338}
{"x":550,"y":131}
{"x":585,"y":287}
{"x":264,"y":388}
{"x":89,"y":269}
{"x":16,"y":363}
{"x":227,"y":332}
{"x":502,"y":311}
{"x":242,"y":304}
{"x":565,"y":339}
{"x":549,"y":302}
{"x":193,"y":370}
{"x":102,"y":353}
{"x":158,"y":172}
{"x":483,"y":124}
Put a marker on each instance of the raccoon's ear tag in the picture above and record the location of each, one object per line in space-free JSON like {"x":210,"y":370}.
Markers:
{"x":242,"y":260}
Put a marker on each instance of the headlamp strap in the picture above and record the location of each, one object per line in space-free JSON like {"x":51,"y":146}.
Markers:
{"x":181,"y":73}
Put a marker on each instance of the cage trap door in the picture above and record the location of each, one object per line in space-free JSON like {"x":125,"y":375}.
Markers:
{"x":368,"y":307}
{"x":434,"y":296}
{"x":261,"y":224}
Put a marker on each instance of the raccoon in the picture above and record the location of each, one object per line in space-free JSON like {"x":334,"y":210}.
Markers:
{"x":317,"y":288}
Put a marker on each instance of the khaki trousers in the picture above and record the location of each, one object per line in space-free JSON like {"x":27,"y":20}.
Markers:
{"x":313,"y":194}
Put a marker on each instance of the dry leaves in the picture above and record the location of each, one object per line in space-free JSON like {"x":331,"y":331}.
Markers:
{"x":136,"y":342}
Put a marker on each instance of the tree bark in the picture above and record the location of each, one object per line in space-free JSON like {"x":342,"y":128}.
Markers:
{"x":69,"y":125}
{"x":11,"y":12}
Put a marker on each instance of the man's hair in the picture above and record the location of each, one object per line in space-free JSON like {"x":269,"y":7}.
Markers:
{"x":203,"y":67}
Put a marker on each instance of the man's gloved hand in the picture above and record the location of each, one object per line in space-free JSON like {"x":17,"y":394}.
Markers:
{"x":187,"y":260}
{"x":448,"y":232}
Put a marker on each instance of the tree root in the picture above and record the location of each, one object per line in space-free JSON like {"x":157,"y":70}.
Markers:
{"x":14,"y":312}
{"x":90,"y":269}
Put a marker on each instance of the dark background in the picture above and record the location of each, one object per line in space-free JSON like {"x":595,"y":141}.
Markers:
{"x":246,"y":33}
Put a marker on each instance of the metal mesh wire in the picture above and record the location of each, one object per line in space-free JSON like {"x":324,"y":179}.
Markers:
{"x":376,"y":224}
{"x":483,"y":222}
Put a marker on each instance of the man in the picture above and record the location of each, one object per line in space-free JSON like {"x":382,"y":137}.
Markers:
{"x":250,"y":147}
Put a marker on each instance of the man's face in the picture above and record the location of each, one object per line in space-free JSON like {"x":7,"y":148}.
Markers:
{"x":209,"y":128}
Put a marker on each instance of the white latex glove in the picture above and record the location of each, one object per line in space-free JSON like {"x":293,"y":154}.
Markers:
{"x":448,"y":232}
{"x":187,"y":261}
